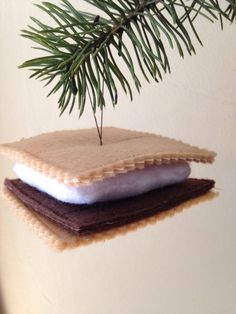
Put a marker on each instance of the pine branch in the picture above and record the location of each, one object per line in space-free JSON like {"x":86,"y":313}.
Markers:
{"x":83,"y":48}
{"x":231,"y":10}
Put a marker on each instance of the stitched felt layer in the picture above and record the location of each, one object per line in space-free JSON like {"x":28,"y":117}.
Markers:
{"x":98,"y":217}
{"x":60,"y":239}
{"x":76,"y":158}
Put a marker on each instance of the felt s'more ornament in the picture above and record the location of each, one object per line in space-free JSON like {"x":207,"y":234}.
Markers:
{"x":73,"y":188}
{"x":85,"y":190}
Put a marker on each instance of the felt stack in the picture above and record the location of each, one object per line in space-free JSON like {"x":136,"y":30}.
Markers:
{"x":82,"y":188}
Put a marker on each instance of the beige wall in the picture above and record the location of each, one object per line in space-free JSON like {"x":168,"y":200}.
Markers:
{"x":185,"y":264}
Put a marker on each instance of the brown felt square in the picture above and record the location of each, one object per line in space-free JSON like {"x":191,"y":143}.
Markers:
{"x":60,"y":238}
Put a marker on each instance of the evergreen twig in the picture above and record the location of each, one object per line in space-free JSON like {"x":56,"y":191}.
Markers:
{"x":82,"y":48}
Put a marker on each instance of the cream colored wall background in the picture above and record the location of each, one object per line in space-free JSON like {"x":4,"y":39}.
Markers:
{"x":185,"y":264}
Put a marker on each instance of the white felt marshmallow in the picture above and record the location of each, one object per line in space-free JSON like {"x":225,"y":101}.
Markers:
{"x":121,"y":186}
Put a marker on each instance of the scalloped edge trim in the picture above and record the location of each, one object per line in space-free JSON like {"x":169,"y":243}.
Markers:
{"x":111,"y":170}
{"x":60,"y":239}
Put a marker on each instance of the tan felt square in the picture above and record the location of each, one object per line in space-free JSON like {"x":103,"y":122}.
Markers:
{"x":76,"y":158}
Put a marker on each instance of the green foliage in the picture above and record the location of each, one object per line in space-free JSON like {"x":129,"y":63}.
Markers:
{"x":84,"y":50}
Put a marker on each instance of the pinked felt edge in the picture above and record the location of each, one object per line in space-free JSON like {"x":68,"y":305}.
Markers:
{"x":110,"y":170}
{"x":59,"y":239}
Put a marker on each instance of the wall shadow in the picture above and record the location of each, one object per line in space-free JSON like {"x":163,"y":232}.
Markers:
{"x":2,"y":306}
